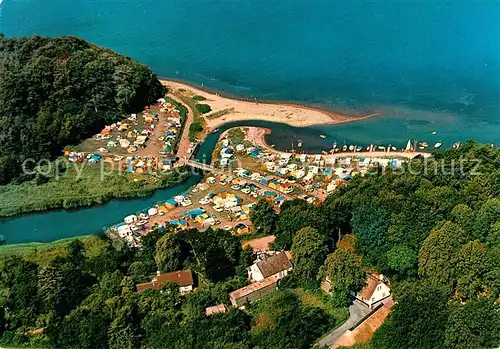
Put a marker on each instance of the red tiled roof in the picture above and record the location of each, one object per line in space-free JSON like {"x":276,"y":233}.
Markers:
{"x":181,"y":278}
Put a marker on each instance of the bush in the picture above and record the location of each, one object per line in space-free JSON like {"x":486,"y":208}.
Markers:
{"x":198,"y":98}
{"x":203,"y":108}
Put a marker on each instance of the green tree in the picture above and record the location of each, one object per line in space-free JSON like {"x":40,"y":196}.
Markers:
{"x":44,"y":107}
{"x":487,"y":216}
{"x":493,"y":239}
{"x":203,"y":108}
{"x":474,"y":271}
{"x":370,"y":223}
{"x":464,"y":217}
{"x":437,"y":259}
{"x":263,"y":216}
{"x":418,"y":320}
{"x":403,"y":260}
{"x":345,"y":272}
{"x":475,"y":324}
{"x":308,"y":252}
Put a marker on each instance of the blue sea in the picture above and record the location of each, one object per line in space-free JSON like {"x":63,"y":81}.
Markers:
{"x":424,"y":65}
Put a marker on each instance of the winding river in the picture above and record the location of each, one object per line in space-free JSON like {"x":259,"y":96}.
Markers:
{"x":54,"y":225}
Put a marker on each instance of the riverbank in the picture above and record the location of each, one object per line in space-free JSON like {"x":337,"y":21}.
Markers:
{"x":81,"y":187}
{"x":225,"y":110}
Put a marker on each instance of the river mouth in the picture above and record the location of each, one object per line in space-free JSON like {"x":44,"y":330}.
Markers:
{"x":55,"y":225}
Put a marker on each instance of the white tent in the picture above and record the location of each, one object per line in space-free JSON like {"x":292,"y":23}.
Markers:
{"x":124,"y":143}
{"x":130,"y":219}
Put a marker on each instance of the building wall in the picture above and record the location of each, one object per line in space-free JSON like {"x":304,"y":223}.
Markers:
{"x":381,"y":292}
{"x":254,"y":273}
{"x":185,"y":289}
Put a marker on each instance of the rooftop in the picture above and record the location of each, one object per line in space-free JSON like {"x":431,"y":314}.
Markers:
{"x":274,"y":264}
{"x":245,"y":291}
{"x":181,"y":278}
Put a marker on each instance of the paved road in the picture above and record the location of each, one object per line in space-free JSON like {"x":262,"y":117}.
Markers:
{"x":356,"y":312}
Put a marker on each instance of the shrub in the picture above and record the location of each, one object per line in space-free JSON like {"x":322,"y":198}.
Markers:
{"x":203,"y":108}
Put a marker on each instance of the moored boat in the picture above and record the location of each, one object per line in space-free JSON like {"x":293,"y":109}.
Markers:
{"x":322,"y":136}
{"x":437,"y":145}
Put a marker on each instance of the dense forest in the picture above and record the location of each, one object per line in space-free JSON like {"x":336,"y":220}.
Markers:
{"x":433,"y":231}
{"x":58,"y":91}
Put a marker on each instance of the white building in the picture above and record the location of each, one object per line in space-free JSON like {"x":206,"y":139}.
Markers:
{"x":374,"y":291}
{"x":276,"y":265}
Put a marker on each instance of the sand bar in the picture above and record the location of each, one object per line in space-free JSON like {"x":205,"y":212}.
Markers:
{"x":242,"y":110}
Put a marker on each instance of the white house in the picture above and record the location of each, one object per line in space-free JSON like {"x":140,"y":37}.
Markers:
{"x":374,"y":291}
{"x":183,"y":278}
{"x":277,"y":265}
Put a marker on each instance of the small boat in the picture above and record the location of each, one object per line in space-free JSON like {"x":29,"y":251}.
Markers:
{"x":394,"y":148}
{"x":299,"y":143}
{"x":272,"y":146}
{"x":215,"y":131}
{"x":344,"y":148}
{"x":359,"y":148}
{"x":351,"y":147}
{"x":456,"y":145}
{"x":434,"y":132}
{"x":322,"y":136}
{"x":408,"y":145}
{"x":437,"y":145}
{"x":423,"y":145}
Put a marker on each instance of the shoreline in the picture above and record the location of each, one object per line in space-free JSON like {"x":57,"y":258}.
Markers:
{"x":257,"y":135}
{"x":295,"y":115}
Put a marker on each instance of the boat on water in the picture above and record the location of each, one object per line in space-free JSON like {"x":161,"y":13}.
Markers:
{"x":215,"y":131}
{"x":423,"y":145}
{"x":437,"y":145}
{"x":408,"y":146}
{"x":434,"y":132}
{"x":456,"y":145}
{"x":299,"y":143}
{"x":351,"y":147}
{"x":344,"y":148}
{"x":322,"y":136}
{"x":359,"y":148}
{"x":393,"y":148}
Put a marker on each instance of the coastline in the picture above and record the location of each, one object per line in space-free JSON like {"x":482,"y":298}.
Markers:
{"x":232,"y":109}
{"x":257,"y":136}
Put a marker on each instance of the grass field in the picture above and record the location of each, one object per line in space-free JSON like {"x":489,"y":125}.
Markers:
{"x":78,"y":189}
{"x":43,"y":253}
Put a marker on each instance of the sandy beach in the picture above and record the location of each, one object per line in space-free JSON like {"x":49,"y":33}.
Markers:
{"x":242,"y":110}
